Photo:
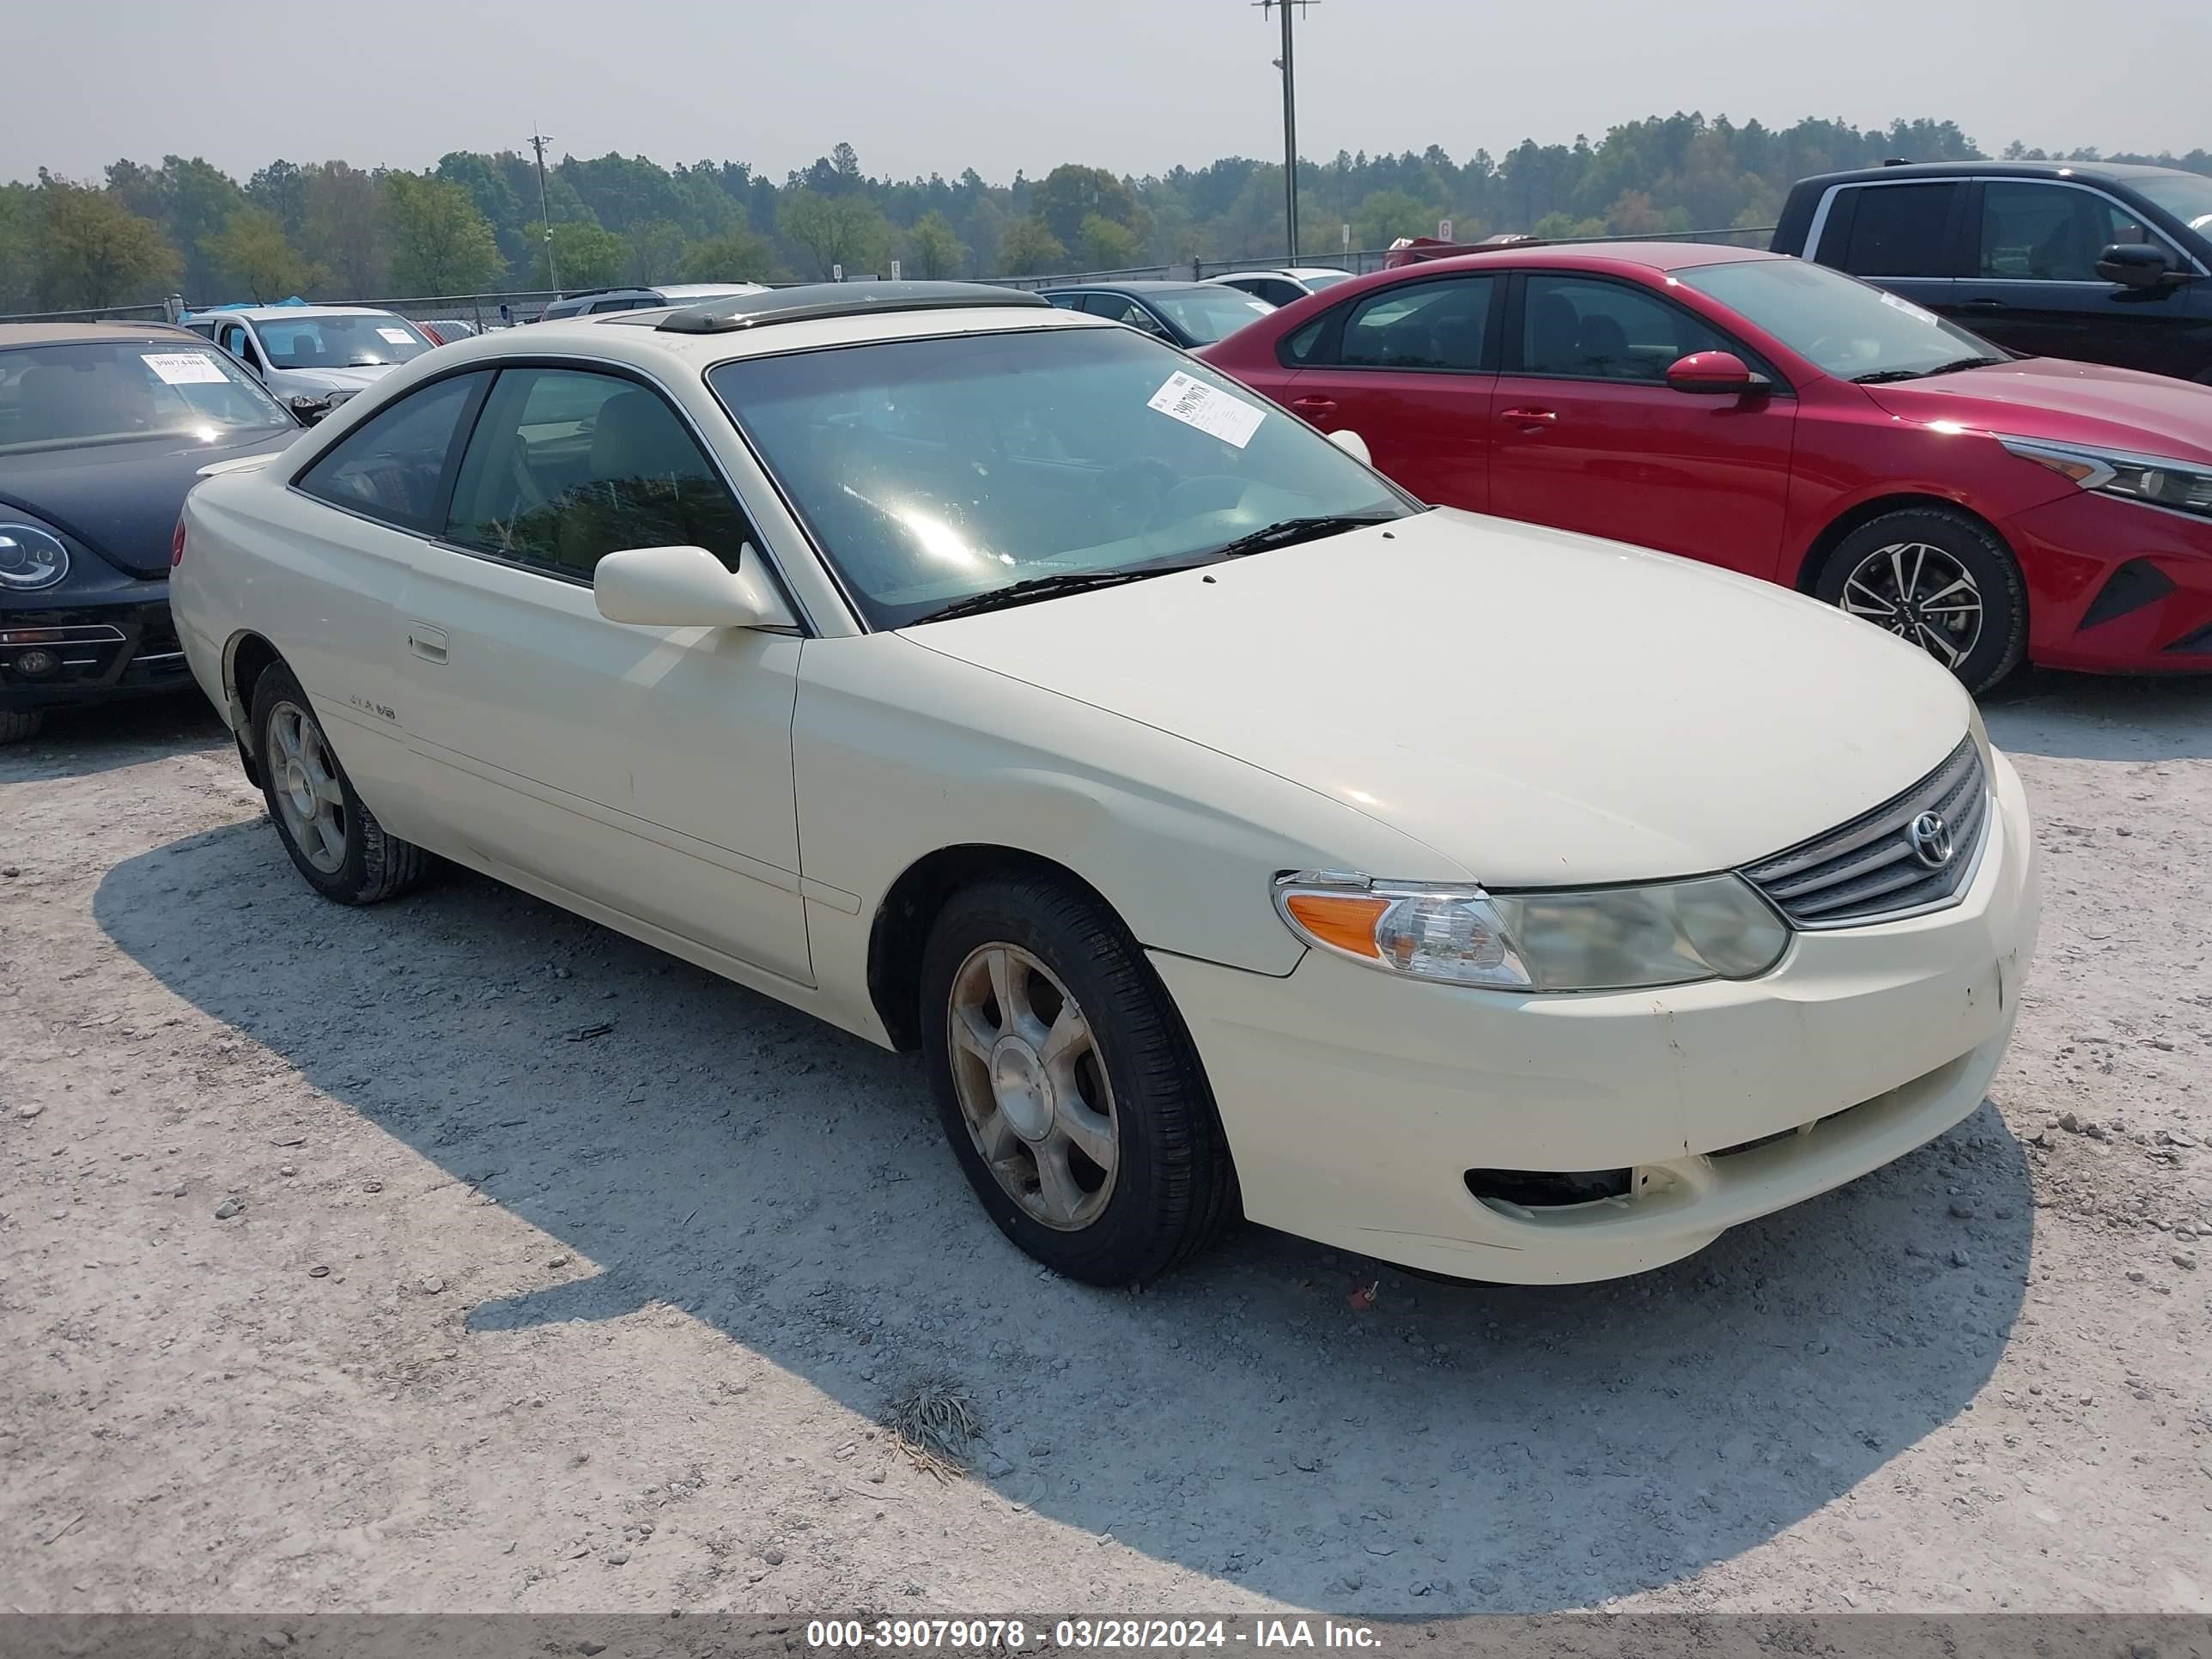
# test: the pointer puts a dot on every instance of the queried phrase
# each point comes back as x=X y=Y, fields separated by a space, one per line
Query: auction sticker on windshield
x=396 y=336
x=184 y=367
x=1211 y=410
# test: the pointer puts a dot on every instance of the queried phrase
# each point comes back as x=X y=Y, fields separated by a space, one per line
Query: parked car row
x=994 y=680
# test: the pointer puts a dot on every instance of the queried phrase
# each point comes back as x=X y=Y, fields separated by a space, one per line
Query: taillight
x=177 y=545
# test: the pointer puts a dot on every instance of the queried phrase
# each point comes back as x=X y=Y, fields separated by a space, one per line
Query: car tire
x=333 y=838
x=19 y=725
x=1903 y=573
x=1083 y=1122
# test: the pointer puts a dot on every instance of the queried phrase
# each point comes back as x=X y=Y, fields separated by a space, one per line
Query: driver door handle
x=1531 y=420
x=1311 y=407
x=1987 y=305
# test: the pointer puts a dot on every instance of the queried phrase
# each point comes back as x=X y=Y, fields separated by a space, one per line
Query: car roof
x=279 y=314
x=1141 y=287
x=1590 y=256
x=2116 y=172
x=31 y=334
x=636 y=337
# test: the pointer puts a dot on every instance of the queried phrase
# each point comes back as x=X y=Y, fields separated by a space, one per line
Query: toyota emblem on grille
x=1930 y=836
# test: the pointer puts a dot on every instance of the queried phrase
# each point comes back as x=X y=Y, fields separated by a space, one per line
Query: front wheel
x=1939 y=580
x=1068 y=1085
x=19 y=725
x=335 y=840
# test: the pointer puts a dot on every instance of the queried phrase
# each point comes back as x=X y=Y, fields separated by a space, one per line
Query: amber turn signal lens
x=1340 y=920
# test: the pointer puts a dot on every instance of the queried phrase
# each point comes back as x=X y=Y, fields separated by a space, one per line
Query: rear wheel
x=1068 y=1085
x=335 y=840
x=1939 y=580
x=19 y=725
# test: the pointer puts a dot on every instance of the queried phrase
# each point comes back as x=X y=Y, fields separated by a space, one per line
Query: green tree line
x=474 y=223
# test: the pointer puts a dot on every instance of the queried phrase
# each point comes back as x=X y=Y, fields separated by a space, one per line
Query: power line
x=537 y=142
x=1287 y=64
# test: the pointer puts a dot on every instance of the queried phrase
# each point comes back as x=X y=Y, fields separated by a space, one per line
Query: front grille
x=1870 y=868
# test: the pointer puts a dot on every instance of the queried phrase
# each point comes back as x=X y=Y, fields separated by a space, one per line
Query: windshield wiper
x=1968 y=362
x=1285 y=531
x=1046 y=587
x=1882 y=375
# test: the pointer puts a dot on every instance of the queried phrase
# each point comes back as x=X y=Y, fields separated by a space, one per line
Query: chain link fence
x=501 y=310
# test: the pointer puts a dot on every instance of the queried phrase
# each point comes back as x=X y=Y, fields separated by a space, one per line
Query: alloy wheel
x=1032 y=1087
x=1920 y=593
x=305 y=784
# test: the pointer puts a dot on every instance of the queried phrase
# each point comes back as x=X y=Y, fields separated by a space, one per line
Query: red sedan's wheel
x=1939 y=580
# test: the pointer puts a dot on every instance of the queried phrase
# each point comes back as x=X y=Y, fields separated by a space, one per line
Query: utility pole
x=1287 y=64
x=537 y=142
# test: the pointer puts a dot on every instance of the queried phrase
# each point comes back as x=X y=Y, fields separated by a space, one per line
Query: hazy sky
x=1133 y=85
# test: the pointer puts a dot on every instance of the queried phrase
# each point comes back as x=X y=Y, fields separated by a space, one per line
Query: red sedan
x=1785 y=421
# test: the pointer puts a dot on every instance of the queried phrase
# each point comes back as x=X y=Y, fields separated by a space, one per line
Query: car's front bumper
x=1356 y=1103
x=119 y=642
x=2116 y=587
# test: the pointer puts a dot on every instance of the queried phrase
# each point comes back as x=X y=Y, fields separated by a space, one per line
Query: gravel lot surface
x=460 y=1255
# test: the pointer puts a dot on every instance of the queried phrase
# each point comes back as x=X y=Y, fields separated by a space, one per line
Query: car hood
x=335 y=379
x=1539 y=707
x=122 y=499
x=2064 y=402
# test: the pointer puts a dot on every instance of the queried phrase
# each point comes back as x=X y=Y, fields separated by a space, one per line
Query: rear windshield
x=59 y=397
x=1207 y=314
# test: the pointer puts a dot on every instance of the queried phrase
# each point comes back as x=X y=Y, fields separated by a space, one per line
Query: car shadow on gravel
x=2098 y=717
x=1447 y=1448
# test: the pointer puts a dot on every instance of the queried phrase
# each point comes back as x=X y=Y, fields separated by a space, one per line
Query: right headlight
x=31 y=557
x=2184 y=486
x=1599 y=938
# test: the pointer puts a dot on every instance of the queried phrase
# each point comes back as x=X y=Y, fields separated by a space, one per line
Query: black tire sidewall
x=1132 y=1018
x=2003 y=642
x=352 y=880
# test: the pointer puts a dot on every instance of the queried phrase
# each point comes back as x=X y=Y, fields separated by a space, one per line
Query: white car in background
x=1228 y=831
x=313 y=358
x=1283 y=287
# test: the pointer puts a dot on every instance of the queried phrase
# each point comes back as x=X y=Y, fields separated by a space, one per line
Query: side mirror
x=1352 y=445
x=309 y=408
x=687 y=587
x=1714 y=374
x=2138 y=264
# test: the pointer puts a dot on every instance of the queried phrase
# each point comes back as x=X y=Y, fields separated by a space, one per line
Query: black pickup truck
x=2104 y=263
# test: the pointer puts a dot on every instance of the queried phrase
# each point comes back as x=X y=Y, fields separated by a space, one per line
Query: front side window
x=1599 y=330
x=59 y=397
x=566 y=466
x=1841 y=326
x=391 y=465
x=1897 y=230
x=2041 y=233
x=354 y=341
x=1443 y=324
x=935 y=472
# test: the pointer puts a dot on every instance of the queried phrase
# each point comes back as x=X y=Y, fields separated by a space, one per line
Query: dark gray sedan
x=1187 y=315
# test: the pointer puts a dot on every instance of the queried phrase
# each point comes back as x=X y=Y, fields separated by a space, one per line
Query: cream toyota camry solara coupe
x=1229 y=833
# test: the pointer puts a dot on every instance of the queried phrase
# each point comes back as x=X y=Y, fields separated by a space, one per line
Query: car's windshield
x=2186 y=196
x=1837 y=322
x=339 y=341
x=1209 y=313
x=931 y=471
x=56 y=397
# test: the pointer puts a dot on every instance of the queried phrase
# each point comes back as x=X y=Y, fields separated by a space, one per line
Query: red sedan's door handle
x=1314 y=407
x=1531 y=420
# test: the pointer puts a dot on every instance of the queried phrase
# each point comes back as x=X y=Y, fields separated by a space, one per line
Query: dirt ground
x=346 y=1268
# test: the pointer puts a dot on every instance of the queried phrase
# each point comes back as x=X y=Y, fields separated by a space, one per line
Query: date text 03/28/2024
x=1013 y=1635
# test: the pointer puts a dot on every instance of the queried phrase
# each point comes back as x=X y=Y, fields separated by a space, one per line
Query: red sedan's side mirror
x=1714 y=374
